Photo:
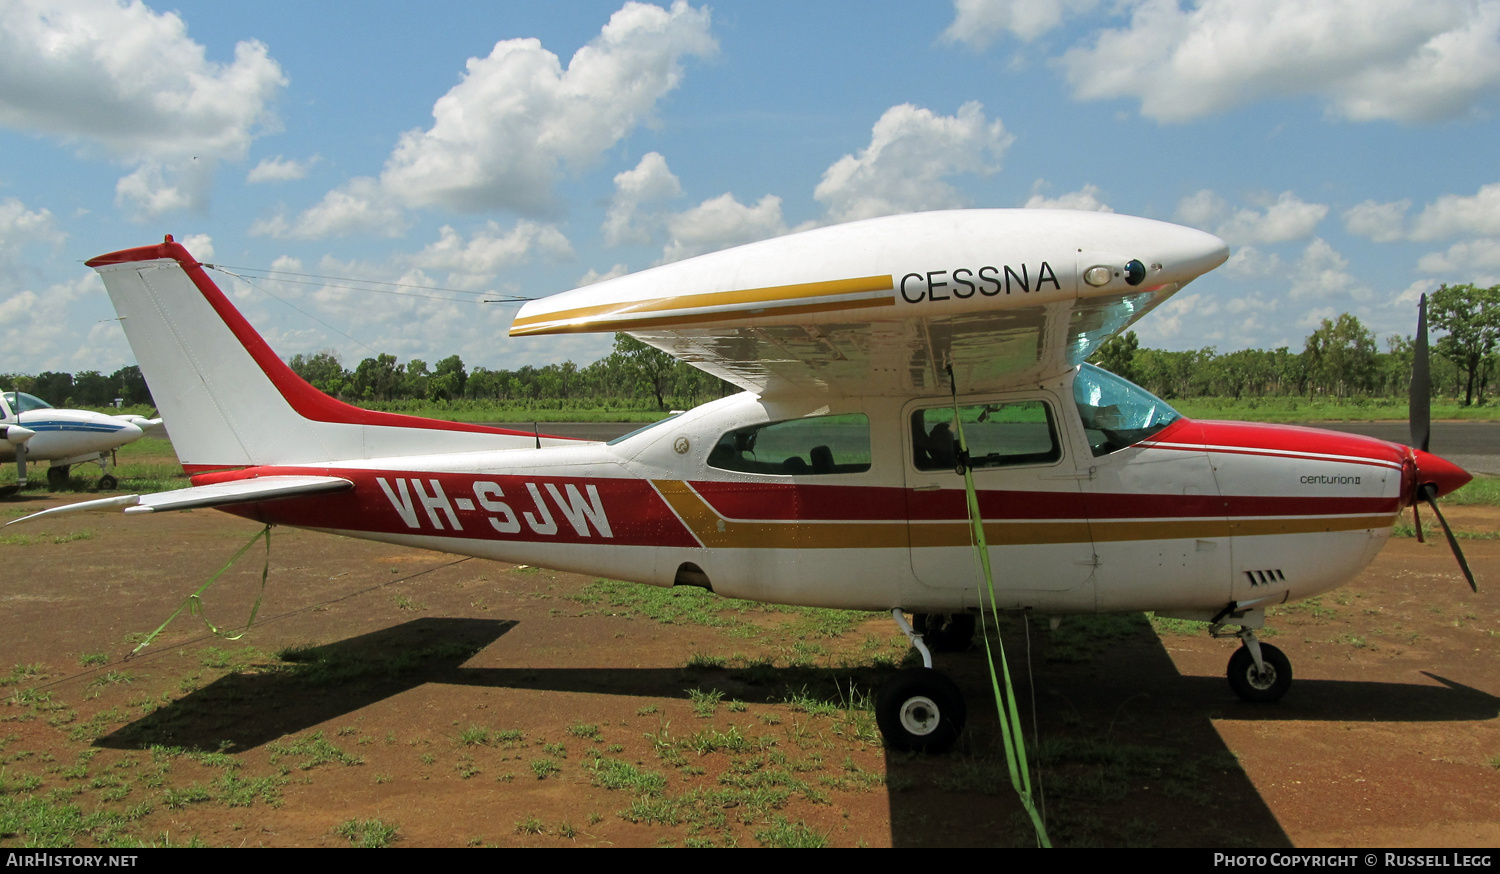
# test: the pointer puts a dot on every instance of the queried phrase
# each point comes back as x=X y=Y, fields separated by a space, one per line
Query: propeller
x=1431 y=476
x=17 y=436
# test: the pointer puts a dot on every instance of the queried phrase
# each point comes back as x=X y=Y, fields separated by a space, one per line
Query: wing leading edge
x=882 y=306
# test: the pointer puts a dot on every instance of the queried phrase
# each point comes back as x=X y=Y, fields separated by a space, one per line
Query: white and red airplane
x=831 y=480
x=34 y=430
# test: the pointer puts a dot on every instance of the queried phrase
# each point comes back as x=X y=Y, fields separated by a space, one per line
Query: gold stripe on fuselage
x=713 y=530
x=776 y=300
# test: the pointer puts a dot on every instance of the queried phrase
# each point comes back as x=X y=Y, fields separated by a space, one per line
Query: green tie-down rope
x=194 y=602
x=1005 y=704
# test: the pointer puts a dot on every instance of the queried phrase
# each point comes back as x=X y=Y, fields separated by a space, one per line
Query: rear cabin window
x=816 y=446
x=998 y=435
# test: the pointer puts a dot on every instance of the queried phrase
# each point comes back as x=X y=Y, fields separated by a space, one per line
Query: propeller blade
x=1419 y=408
x=1428 y=495
x=21 y=453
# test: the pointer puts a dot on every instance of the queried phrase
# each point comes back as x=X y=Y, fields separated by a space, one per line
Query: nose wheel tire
x=920 y=710
x=1260 y=686
x=108 y=483
x=57 y=476
x=945 y=632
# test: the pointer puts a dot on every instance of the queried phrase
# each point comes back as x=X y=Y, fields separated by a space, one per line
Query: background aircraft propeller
x=1420 y=414
x=17 y=436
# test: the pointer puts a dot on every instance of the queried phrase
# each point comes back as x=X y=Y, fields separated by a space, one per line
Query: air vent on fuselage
x=1265 y=578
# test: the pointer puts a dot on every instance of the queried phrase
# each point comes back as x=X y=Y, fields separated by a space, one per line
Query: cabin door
x=1029 y=495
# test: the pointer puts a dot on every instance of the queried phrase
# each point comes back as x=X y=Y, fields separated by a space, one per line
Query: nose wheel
x=1264 y=683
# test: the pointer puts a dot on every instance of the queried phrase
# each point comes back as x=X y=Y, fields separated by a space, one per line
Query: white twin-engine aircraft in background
x=34 y=430
x=831 y=480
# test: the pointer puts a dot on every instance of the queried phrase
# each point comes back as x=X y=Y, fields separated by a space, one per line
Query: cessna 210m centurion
x=831 y=480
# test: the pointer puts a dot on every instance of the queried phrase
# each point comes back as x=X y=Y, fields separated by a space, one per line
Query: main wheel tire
x=1265 y=686
x=920 y=710
x=57 y=476
x=108 y=483
x=945 y=632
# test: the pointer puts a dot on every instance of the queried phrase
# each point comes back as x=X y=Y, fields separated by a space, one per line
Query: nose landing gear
x=1258 y=672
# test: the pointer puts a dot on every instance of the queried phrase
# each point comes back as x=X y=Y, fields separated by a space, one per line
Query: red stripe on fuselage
x=551 y=509
x=1312 y=442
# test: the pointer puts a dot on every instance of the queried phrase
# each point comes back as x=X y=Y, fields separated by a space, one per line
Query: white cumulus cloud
x=1455 y=215
x=979 y=22
x=1085 y=198
x=486 y=252
x=1288 y=218
x=720 y=223
x=359 y=206
x=648 y=182
x=129 y=82
x=500 y=137
x=279 y=169
x=1381 y=222
x=1366 y=59
x=912 y=152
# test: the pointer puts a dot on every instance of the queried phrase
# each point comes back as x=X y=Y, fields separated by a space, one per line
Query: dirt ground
x=393 y=696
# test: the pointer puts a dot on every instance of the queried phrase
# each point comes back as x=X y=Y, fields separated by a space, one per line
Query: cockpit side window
x=998 y=435
x=816 y=446
x=1117 y=413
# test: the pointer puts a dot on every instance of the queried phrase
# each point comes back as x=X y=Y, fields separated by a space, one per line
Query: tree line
x=1341 y=359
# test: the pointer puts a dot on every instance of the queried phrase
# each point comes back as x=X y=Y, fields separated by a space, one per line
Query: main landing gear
x=920 y=709
x=1258 y=672
x=59 y=470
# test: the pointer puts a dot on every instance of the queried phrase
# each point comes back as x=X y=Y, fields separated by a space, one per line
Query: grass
x=1481 y=491
x=367 y=833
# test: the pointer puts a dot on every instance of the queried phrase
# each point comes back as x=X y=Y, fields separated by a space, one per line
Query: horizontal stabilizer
x=244 y=491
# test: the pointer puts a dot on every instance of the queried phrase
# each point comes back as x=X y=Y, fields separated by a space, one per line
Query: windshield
x=28 y=402
x=1117 y=413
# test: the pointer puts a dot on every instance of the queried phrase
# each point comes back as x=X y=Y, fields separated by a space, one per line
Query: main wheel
x=57 y=476
x=945 y=632
x=1267 y=685
x=920 y=710
x=108 y=483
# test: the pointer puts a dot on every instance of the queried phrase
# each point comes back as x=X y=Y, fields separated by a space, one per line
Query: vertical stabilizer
x=228 y=400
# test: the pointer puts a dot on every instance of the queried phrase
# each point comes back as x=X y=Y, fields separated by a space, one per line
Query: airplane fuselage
x=1196 y=516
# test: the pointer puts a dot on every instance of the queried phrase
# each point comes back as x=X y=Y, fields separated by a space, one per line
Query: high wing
x=882 y=306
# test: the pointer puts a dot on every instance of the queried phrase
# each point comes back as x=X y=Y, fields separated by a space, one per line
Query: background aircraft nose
x=1443 y=474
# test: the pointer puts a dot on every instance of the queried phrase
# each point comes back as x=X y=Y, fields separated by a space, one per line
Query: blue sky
x=1344 y=149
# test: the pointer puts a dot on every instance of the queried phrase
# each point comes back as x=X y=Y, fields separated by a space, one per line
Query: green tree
x=1471 y=316
x=131 y=385
x=448 y=378
x=1117 y=355
x=377 y=378
x=1341 y=356
x=650 y=367
x=322 y=371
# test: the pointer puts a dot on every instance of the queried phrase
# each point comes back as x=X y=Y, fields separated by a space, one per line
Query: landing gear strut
x=920 y=709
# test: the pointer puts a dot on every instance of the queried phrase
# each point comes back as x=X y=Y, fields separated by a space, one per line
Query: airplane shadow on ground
x=1129 y=753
